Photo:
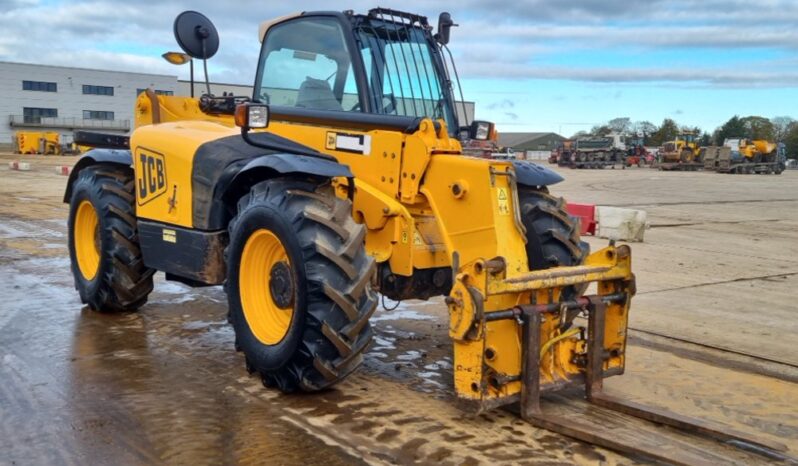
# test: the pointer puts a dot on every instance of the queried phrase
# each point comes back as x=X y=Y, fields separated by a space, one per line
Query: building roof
x=4 y=62
x=202 y=81
x=516 y=139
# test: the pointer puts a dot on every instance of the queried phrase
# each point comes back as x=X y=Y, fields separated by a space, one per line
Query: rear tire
x=329 y=296
x=113 y=278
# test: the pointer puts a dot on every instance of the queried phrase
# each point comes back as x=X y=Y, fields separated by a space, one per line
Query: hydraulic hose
x=547 y=346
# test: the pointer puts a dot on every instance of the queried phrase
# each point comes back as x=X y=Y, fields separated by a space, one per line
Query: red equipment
x=587 y=216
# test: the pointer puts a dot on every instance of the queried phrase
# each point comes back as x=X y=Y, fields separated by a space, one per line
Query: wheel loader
x=341 y=178
x=683 y=153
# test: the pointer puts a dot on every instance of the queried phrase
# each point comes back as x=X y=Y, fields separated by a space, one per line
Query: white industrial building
x=65 y=99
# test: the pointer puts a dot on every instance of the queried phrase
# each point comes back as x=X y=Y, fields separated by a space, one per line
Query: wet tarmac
x=165 y=386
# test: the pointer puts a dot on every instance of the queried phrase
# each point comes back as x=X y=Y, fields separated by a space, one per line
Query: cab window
x=306 y=63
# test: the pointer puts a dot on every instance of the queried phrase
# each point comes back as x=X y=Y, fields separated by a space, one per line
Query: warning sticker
x=170 y=236
x=404 y=237
x=417 y=241
x=503 y=201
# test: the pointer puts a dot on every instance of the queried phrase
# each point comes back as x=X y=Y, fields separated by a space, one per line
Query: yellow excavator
x=341 y=177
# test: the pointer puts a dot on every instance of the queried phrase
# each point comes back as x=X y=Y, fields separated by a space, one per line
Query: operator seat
x=316 y=94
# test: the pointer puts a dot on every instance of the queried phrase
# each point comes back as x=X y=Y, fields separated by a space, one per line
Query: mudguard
x=532 y=174
x=293 y=163
x=93 y=156
x=211 y=212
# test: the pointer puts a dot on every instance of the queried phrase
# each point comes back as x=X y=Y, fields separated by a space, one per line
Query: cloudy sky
x=556 y=65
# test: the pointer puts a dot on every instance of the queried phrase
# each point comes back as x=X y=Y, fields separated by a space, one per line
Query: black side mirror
x=445 y=24
x=196 y=35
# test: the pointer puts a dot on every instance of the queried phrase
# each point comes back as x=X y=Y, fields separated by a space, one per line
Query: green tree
x=600 y=130
x=782 y=125
x=644 y=129
x=620 y=125
x=667 y=131
x=734 y=128
x=757 y=127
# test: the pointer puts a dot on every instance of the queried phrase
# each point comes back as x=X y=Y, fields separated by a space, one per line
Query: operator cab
x=386 y=63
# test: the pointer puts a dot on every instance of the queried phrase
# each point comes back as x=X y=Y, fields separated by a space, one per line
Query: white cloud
x=498 y=39
x=722 y=78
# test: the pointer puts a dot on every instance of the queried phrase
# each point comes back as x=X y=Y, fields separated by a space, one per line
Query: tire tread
x=338 y=273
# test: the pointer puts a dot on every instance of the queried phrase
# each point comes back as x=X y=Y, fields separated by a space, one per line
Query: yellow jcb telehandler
x=342 y=177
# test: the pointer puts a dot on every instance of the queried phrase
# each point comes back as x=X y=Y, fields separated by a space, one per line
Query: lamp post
x=179 y=58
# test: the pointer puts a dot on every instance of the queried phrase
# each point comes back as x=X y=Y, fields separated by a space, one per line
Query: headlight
x=481 y=130
x=252 y=115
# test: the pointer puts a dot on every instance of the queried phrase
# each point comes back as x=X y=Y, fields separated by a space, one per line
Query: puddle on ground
x=165 y=385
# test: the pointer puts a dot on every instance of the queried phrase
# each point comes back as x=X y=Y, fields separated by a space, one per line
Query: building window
x=97 y=115
x=157 y=91
x=39 y=86
x=98 y=90
x=35 y=115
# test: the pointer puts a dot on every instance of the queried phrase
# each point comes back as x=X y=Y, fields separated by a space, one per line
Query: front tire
x=107 y=264
x=299 y=285
x=553 y=237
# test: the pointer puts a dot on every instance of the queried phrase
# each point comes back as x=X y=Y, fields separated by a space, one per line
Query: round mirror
x=191 y=29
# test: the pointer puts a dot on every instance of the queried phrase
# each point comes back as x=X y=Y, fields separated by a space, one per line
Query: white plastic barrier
x=17 y=165
x=621 y=224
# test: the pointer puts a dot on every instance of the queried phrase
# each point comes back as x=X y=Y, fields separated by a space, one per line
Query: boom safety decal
x=503 y=201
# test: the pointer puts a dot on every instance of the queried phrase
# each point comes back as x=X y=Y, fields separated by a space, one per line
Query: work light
x=481 y=130
x=252 y=115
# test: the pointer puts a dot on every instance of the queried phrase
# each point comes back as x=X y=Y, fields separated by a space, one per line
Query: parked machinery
x=639 y=156
x=596 y=152
x=306 y=209
x=741 y=155
x=562 y=151
x=711 y=156
x=38 y=142
x=683 y=153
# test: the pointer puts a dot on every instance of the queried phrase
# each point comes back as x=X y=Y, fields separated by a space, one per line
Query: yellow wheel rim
x=266 y=287
x=87 y=240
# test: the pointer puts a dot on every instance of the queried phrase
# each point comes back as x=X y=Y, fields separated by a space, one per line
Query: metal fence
x=69 y=123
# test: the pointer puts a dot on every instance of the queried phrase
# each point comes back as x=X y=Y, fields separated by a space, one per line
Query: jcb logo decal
x=150 y=176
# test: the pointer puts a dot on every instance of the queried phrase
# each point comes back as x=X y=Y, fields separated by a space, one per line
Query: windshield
x=306 y=63
x=733 y=143
x=403 y=75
